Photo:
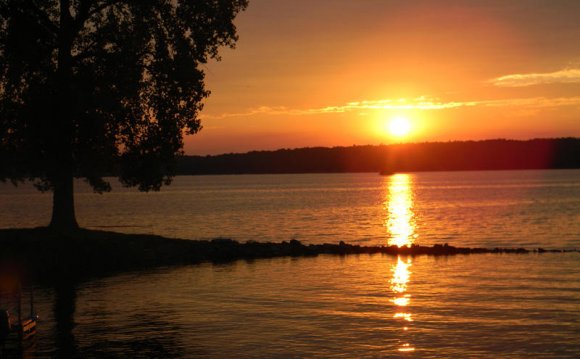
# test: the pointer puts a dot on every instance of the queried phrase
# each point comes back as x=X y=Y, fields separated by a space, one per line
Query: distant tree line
x=497 y=154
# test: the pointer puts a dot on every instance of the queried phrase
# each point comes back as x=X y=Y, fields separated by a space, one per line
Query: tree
x=95 y=87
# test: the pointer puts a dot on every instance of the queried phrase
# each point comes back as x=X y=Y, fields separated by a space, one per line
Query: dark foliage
x=434 y=156
x=89 y=87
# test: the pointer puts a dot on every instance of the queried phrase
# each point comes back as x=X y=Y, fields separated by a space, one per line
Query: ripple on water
x=461 y=306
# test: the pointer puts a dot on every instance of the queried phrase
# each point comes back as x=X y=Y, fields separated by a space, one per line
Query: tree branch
x=85 y=11
x=41 y=16
x=103 y=6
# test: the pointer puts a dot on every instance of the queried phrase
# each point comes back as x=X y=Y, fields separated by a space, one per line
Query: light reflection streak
x=401 y=299
x=401 y=226
x=399 y=283
x=400 y=219
x=406 y=348
x=404 y=316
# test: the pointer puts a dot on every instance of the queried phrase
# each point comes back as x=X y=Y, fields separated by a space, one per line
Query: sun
x=399 y=126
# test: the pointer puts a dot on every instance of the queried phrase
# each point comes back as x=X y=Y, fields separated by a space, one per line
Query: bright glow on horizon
x=280 y=89
x=399 y=126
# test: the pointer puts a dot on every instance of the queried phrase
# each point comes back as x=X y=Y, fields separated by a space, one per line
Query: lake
x=495 y=208
x=510 y=306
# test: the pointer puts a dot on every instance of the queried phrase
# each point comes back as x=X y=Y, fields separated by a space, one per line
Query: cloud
x=522 y=80
x=533 y=102
x=419 y=103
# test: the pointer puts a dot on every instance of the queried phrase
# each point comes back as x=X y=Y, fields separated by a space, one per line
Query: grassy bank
x=45 y=256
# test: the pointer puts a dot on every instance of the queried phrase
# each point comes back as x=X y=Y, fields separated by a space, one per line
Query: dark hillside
x=430 y=156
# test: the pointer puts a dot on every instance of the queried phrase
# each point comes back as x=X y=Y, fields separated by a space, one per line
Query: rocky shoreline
x=50 y=257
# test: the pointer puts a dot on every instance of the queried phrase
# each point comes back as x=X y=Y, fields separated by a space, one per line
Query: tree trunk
x=63 y=206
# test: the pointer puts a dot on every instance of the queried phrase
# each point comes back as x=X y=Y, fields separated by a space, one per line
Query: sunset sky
x=335 y=72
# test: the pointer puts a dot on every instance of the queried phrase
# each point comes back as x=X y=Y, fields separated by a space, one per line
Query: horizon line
x=380 y=145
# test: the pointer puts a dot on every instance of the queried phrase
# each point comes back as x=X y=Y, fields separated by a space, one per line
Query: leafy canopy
x=118 y=81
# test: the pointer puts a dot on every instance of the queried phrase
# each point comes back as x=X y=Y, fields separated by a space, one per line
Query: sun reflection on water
x=399 y=282
x=401 y=226
x=401 y=299
x=399 y=204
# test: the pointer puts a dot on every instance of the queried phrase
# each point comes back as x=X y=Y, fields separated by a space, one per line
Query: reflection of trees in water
x=141 y=335
x=153 y=337
x=64 y=311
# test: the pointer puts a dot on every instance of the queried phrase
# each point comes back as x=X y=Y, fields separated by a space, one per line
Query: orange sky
x=332 y=72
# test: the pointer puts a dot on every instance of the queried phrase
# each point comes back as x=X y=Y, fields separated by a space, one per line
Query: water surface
x=494 y=208
x=465 y=306
x=476 y=306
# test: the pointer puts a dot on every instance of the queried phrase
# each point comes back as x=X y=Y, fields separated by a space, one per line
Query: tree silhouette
x=94 y=87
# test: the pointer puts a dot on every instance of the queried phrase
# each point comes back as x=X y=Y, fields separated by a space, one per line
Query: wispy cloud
x=419 y=103
x=522 y=80
x=533 y=102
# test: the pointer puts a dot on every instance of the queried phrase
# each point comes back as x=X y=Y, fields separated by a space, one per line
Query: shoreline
x=43 y=256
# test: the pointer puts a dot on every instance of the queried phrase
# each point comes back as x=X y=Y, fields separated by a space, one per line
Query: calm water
x=506 y=306
x=509 y=306
x=504 y=208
